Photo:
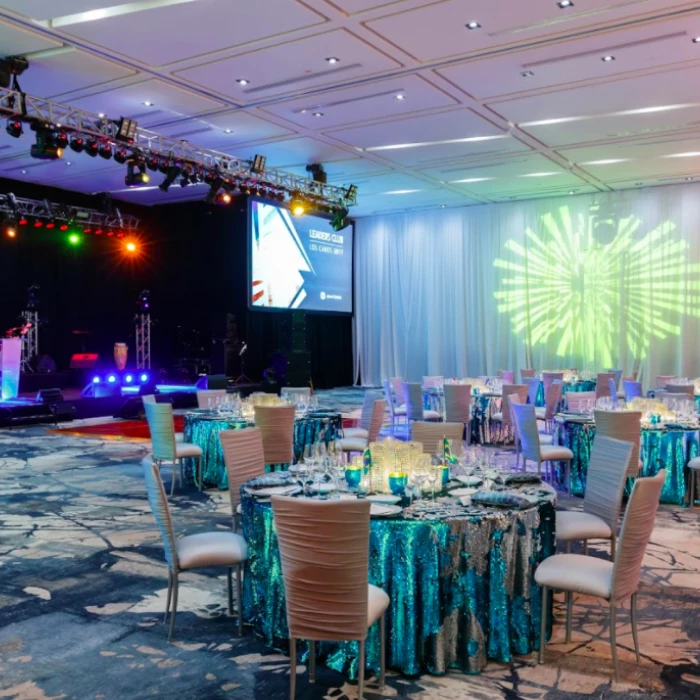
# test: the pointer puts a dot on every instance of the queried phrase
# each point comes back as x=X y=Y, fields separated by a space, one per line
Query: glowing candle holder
x=353 y=476
x=397 y=483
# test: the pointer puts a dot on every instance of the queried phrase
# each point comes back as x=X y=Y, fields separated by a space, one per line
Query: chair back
x=637 y=527
x=148 y=398
x=377 y=419
x=508 y=376
x=617 y=376
x=244 y=459
x=204 y=395
x=161 y=512
x=413 y=393
x=548 y=378
x=162 y=427
x=663 y=379
x=431 y=382
x=605 y=483
x=399 y=396
x=300 y=390
x=553 y=399
x=276 y=425
x=527 y=374
x=533 y=388
x=688 y=390
x=428 y=433
x=574 y=399
x=367 y=405
x=602 y=384
x=613 y=391
x=632 y=389
x=458 y=403
x=515 y=399
x=389 y=398
x=324 y=551
x=508 y=390
x=621 y=425
x=526 y=422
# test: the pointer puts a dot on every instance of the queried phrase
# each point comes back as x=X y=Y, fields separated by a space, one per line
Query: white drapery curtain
x=589 y=282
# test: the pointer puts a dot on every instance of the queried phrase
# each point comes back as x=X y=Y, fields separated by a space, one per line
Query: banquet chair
x=202 y=550
x=360 y=444
x=362 y=430
x=687 y=390
x=244 y=459
x=324 y=551
x=504 y=416
x=276 y=425
x=545 y=439
x=605 y=484
x=527 y=374
x=552 y=401
x=533 y=450
x=612 y=581
x=663 y=379
x=151 y=398
x=617 y=376
x=414 y=404
x=458 y=406
x=632 y=389
x=508 y=376
x=602 y=384
x=399 y=395
x=575 y=399
x=548 y=378
x=622 y=425
x=291 y=390
x=165 y=445
x=432 y=382
x=613 y=391
x=694 y=469
x=204 y=395
x=428 y=434
x=394 y=410
x=533 y=388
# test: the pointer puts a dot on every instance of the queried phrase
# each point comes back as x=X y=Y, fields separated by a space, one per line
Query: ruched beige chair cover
x=428 y=434
x=360 y=444
x=397 y=386
x=622 y=425
x=687 y=390
x=575 y=400
x=548 y=378
x=527 y=374
x=458 y=403
x=324 y=550
x=362 y=430
x=395 y=411
x=276 y=425
x=663 y=379
x=602 y=384
x=413 y=392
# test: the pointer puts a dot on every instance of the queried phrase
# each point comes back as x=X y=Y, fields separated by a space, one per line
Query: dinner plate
x=379 y=510
x=273 y=491
x=386 y=498
x=464 y=491
x=469 y=480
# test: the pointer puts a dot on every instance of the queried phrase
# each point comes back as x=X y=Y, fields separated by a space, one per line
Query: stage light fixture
x=143 y=377
x=351 y=193
x=215 y=183
x=14 y=128
x=171 y=175
x=126 y=129
x=61 y=139
x=9 y=228
x=74 y=239
x=92 y=148
x=131 y=247
x=95 y=380
x=258 y=163
x=23 y=221
x=111 y=378
x=153 y=164
x=38 y=223
x=297 y=205
x=136 y=174
x=144 y=301
x=106 y=151
x=77 y=145
x=63 y=227
x=45 y=147
x=224 y=198
x=120 y=156
x=128 y=379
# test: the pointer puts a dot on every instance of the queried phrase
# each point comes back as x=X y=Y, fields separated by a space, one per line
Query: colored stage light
x=74 y=239
x=297 y=205
x=23 y=222
x=136 y=174
x=143 y=377
x=128 y=378
x=63 y=227
x=120 y=156
x=50 y=225
x=130 y=247
x=38 y=224
x=77 y=145
x=92 y=148
x=171 y=175
x=106 y=151
x=111 y=378
x=10 y=228
x=14 y=128
x=61 y=140
x=45 y=147
x=95 y=380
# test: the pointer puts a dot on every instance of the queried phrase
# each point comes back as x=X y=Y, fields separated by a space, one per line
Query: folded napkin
x=265 y=482
x=501 y=499
x=514 y=479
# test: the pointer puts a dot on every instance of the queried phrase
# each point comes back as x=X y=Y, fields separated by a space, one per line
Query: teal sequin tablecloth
x=663 y=448
x=203 y=428
x=461 y=585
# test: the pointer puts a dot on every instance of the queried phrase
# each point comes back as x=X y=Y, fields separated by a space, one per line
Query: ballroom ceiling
x=415 y=107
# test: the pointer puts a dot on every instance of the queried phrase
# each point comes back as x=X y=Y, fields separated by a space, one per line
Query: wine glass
x=434 y=472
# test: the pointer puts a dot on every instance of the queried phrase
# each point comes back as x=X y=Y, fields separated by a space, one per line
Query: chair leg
x=361 y=671
x=292 y=668
x=543 y=624
x=569 y=608
x=585 y=547
x=633 y=615
x=382 y=652
x=312 y=661
x=229 y=578
x=170 y=594
x=172 y=485
x=613 y=638
x=239 y=599
x=568 y=546
x=173 y=612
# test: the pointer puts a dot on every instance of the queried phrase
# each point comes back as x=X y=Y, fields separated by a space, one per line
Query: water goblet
x=434 y=473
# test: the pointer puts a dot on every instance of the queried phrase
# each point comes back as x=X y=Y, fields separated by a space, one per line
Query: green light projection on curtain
x=586 y=282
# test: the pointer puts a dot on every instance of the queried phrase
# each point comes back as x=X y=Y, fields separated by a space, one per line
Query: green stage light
x=74 y=239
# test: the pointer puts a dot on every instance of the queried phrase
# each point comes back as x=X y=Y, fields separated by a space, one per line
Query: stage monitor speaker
x=104 y=390
x=217 y=381
x=85 y=360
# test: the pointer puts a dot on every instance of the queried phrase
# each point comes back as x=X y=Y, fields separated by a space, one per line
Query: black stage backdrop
x=194 y=262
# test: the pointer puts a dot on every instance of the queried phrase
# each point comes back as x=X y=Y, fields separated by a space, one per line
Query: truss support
x=143 y=341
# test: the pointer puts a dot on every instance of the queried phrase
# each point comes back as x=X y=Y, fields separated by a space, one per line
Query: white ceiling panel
x=16 y=41
x=393 y=185
x=179 y=32
x=384 y=99
x=352 y=7
x=298 y=65
x=344 y=172
x=48 y=9
x=425 y=199
x=519 y=22
x=290 y=152
x=168 y=102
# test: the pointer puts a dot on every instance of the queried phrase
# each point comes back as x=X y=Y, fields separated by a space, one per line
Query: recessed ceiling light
x=473 y=179
x=638 y=184
x=332 y=60
x=687 y=154
x=442 y=206
x=572 y=191
x=228 y=131
x=101 y=115
x=148 y=104
x=401 y=192
x=696 y=40
x=400 y=96
x=527 y=74
x=565 y=3
x=689 y=179
x=539 y=174
x=68 y=163
x=23 y=172
x=606 y=161
x=469 y=139
x=607 y=59
x=242 y=81
x=318 y=114
x=473 y=25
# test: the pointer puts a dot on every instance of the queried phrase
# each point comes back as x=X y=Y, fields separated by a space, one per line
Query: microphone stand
x=242 y=379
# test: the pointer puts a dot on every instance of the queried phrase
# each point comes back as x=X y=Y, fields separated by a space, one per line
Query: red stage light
x=98 y=232
x=87 y=230
x=50 y=224
x=131 y=247
x=23 y=222
x=120 y=235
x=110 y=233
x=38 y=224
x=63 y=227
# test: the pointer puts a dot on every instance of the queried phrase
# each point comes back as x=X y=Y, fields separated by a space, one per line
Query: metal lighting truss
x=43 y=209
x=30 y=341
x=28 y=108
x=143 y=341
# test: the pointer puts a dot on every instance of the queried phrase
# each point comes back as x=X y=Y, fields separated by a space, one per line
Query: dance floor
x=83 y=584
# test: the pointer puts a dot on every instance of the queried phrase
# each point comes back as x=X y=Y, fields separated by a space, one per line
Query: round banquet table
x=461 y=585
x=202 y=428
x=669 y=448
x=580 y=385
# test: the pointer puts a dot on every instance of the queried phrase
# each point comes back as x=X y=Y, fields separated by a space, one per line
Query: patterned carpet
x=83 y=583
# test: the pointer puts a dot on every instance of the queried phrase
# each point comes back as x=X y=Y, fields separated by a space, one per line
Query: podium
x=10 y=362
